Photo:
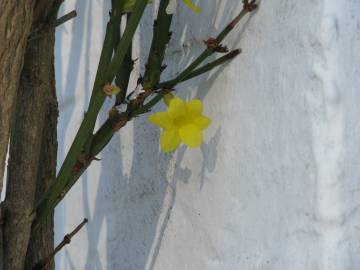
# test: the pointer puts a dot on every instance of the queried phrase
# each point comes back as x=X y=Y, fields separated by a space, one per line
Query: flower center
x=181 y=121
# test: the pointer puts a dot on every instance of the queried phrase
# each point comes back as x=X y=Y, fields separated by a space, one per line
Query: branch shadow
x=137 y=191
x=68 y=82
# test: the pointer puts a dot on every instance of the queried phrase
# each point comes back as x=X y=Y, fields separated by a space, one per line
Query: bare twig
x=44 y=264
x=46 y=27
x=65 y=18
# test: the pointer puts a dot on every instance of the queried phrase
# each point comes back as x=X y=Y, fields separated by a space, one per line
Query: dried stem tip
x=213 y=44
x=110 y=90
x=44 y=264
x=250 y=6
x=233 y=53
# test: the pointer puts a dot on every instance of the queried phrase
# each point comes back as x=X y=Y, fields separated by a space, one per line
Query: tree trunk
x=15 y=22
x=41 y=240
x=32 y=153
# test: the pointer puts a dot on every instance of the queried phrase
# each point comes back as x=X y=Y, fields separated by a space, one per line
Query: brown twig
x=65 y=18
x=44 y=264
x=45 y=28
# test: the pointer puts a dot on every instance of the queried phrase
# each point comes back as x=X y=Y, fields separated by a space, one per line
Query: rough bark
x=32 y=156
x=15 y=22
x=41 y=242
x=1 y=238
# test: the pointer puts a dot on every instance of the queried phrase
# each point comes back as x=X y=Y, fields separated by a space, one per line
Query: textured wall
x=275 y=186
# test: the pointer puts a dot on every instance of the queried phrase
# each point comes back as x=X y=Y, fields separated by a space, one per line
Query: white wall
x=276 y=185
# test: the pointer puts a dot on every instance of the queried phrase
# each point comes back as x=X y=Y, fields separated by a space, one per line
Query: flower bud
x=110 y=90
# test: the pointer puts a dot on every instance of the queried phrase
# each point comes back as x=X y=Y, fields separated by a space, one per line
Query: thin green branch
x=161 y=38
x=77 y=161
x=218 y=62
x=126 y=39
x=100 y=140
x=106 y=73
x=197 y=72
x=123 y=75
x=105 y=133
x=188 y=72
x=209 y=50
x=107 y=130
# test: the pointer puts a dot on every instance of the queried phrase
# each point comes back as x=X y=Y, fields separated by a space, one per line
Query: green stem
x=218 y=62
x=100 y=140
x=105 y=74
x=126 y=39
x=123 y=74
x=105 y=133
x=161 y=38
x=188 y=72
x=197 y=72
x=207 y=52
x=81 y=137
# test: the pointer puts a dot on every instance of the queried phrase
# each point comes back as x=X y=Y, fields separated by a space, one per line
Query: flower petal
x=202 y=122
x=192 y=6
x=169 y=140
x=194 y=107
x=177 y=108
x=191 y=135
x=161 y=119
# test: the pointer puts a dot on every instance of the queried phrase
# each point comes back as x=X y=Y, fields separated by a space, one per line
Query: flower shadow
x=137 y=184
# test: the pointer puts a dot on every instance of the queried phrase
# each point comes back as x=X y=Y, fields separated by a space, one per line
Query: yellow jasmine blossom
x=173 y=3
x=182 y=122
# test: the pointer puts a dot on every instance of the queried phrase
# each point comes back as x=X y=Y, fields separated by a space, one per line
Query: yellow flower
x=173 y=3
x=182 y=122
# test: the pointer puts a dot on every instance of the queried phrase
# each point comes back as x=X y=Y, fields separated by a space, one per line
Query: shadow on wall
x=135 y=203
x=67 y=109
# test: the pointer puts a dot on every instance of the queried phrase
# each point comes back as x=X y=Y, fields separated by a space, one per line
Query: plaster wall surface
x=277 y=183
